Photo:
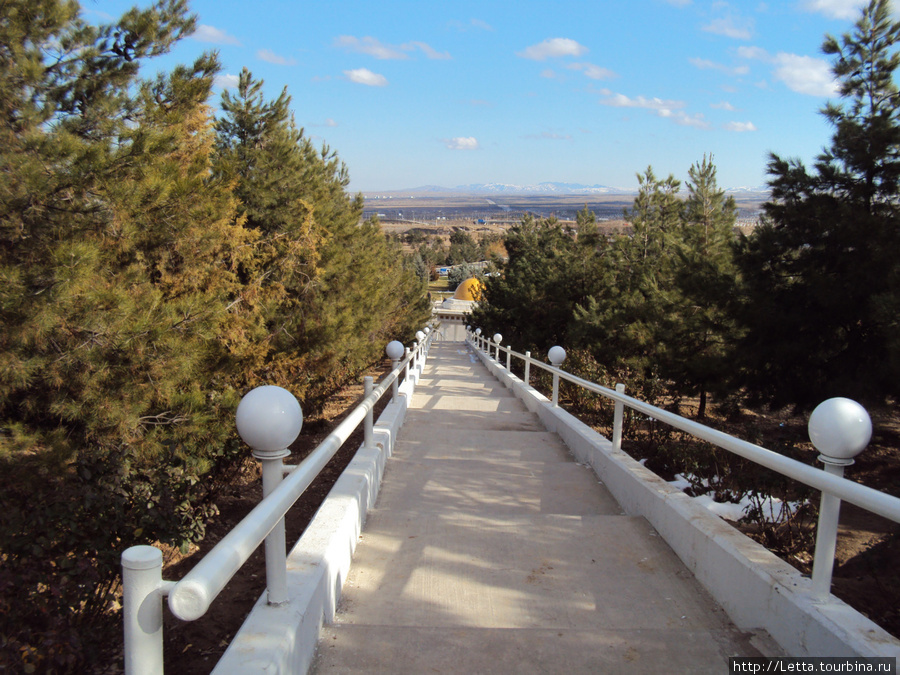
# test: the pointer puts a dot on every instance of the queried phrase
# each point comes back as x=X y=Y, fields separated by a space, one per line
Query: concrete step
x=413 y=650
x=549 y=593
x=491 y=551
x=483 y=420
x=491 y=489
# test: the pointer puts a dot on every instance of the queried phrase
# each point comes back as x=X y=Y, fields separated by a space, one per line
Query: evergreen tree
x=463 y=248
x=322 y=285
x=821 y=277
x=705 y=277
x=548 y=273
x=118 y=254
x=628 y=323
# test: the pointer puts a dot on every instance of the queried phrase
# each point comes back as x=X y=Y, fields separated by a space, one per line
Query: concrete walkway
x=491 y=551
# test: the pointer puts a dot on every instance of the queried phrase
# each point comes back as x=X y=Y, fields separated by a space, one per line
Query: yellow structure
x=469 y=290
x=452 y=312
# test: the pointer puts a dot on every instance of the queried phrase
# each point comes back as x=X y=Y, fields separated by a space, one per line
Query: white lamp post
x=269 y=419
x=839 y=429
x=497 y=339
x=556 y=355
x=394 y=351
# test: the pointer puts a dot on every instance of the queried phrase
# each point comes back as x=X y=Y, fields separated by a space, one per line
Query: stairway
x=491 y=551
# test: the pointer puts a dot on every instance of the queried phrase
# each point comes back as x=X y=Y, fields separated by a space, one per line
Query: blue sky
x=426 y=93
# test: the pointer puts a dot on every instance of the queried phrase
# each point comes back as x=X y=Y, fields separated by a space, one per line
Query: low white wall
x=756 y=588
x=283 y=639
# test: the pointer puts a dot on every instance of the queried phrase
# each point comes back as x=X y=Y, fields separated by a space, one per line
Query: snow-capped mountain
x=538 y=189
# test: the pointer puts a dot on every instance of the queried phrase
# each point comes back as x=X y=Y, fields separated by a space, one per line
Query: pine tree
x=821 y=276
x=322 y=291
x=705 y=277
x=531 y=301
x=118 y=253
x=627 y=324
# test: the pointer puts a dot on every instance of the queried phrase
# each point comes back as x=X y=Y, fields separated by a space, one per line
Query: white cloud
x=206 y=33
x=739 y=29
x=723 y=105
x=704 y=64
x=679 y=3
x=367 y=77
x=805 y=74
x=473 y=23
x=592 y=71
x=329 y=122
x=550 y=74
x=697 y=121
x=835 y=9
x=622 y=101
x=271 y=57
x=553 y=48
x=369 y=46
x=756 y=53
x=374 y=47
x=226 y=81
x=549 y=136
x=462 y=143
x=740 y=126
x=427 y=50
x=666 y=108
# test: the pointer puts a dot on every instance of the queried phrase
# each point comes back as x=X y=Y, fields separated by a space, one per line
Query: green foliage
x=705 y=330
x=322 y=293
x=650 y=308
x=821 y=276
x=628 y=323
x=549 y=271
x=155 y=266
x=460 y=273
x=463 y=249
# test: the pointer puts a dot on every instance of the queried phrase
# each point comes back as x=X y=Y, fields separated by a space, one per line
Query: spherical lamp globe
x=394 y=350
x=556 y=355
x=269 y=419
x=840 y=428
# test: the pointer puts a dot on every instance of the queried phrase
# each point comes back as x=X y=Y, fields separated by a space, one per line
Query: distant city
x=507 y=203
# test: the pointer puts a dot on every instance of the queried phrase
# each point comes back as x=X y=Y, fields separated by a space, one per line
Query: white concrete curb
x=756 y=588
x=283 y=639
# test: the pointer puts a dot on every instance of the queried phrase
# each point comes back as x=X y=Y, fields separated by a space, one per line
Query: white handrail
x=865 y=497
x=190 y=598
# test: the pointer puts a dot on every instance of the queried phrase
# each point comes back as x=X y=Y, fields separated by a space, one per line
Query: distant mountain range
x=535 y=189
x=538 y=189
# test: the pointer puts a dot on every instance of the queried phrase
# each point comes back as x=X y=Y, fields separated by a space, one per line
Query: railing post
x=840 y=429
x=420 y=350
x=618 y=418
x=276 y=543
x=508 y=355
x=556 y=355
x=142 y=611
x=527 y=366
x=394 y=351
x=269 y=419
x=406 y=368
x=369 y=429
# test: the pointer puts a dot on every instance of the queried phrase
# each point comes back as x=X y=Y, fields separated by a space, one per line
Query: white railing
x=269 y=420
x=839 y=429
